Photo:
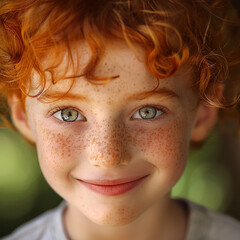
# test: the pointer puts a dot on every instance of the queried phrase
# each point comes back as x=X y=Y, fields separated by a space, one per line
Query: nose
x=108 y=148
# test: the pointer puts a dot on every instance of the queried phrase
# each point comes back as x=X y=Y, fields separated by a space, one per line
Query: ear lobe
x=205 y=120
x=19 y=117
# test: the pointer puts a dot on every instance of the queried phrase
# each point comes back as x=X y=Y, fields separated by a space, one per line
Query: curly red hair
x=199 y=33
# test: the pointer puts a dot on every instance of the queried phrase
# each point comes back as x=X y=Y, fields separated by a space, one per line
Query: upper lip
x=109 y=182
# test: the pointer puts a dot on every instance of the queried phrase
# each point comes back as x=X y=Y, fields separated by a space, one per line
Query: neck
x=156 y=222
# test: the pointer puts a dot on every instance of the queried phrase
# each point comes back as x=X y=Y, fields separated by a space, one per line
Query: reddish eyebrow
x=164 y=92
x=60 y=96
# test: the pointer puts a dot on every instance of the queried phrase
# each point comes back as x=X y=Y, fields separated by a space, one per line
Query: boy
x=112 y=93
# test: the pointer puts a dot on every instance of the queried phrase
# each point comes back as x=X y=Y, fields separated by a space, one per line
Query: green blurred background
x=211 y=178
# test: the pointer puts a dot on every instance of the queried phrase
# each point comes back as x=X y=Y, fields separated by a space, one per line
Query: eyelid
x=60 y=108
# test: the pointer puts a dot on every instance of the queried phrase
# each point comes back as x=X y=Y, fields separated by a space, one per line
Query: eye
x=147 y=112
x=68 y=115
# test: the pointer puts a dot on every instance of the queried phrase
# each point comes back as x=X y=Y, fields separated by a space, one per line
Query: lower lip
x=113 y=190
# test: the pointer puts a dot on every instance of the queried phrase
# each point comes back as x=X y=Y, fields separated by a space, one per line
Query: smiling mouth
x=112 y=187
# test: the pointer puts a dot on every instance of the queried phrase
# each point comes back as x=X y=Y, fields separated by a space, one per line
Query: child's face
x=115 y=141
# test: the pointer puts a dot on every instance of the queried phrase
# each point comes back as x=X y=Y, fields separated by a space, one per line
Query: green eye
x=68 y=115
x=147 y=112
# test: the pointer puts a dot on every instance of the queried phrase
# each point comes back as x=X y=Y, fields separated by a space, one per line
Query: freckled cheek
x=58 y=150
x=163 y=147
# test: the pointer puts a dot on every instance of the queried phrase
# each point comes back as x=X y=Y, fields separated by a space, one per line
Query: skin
x=114 y=142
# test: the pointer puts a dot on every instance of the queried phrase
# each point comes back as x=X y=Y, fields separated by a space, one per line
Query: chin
x=118 y=216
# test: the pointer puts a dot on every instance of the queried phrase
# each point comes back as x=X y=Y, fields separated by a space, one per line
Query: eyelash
x=57 y=109
x=158 y=108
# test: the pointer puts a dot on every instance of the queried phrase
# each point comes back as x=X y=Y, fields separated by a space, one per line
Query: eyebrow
x=60 y=96
x=162 y=92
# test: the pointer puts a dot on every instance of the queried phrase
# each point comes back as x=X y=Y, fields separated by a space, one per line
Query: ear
x=205 y=120
x=19 y=117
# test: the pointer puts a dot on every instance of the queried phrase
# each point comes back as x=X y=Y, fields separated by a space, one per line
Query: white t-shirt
x=204 y=224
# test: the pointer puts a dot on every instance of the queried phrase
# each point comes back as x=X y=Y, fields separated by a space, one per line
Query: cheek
x=57 y=150
x=165 y=147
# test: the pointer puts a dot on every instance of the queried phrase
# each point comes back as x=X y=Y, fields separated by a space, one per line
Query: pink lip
x=112 y=187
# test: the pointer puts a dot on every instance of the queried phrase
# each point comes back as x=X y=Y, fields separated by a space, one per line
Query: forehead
x=118 y=60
